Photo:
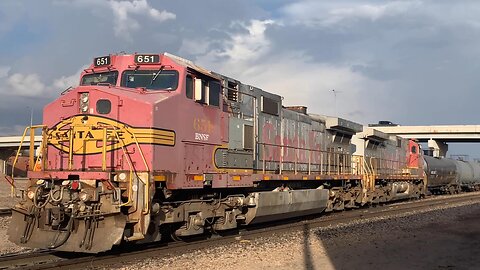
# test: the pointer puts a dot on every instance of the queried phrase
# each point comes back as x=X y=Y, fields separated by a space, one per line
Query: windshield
x=151 y=79
x=96 y=78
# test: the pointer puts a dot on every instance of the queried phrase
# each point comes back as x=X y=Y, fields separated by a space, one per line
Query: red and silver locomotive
x=152 y=145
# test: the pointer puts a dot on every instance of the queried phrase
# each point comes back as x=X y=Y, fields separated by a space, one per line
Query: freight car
x=446 y=175
x=152 y=146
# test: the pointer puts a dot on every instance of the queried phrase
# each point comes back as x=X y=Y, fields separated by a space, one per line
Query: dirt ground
x=447 y=237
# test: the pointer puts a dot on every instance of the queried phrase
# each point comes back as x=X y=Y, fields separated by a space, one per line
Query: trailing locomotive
x=152 y=145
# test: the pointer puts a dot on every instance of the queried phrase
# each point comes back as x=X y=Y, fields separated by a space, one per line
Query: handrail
x=31 y=150
x=330 y=167
x=130 y=187
x=147 y=183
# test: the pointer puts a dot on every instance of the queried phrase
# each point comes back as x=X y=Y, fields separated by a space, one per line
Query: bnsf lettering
x=201 y=137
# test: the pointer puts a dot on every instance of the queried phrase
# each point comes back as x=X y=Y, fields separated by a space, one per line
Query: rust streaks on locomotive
x=152 y=145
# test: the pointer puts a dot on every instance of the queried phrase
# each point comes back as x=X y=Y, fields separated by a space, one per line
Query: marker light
x=75 y=185
x=31 y=194
x=65 y=182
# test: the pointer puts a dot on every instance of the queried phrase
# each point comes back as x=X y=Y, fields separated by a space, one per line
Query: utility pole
x=31 y=116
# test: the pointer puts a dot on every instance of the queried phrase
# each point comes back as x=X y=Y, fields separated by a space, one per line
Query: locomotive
x=150 y=146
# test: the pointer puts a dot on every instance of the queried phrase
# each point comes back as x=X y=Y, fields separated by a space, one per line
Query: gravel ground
x=448 y=237
x=5 y=200
x=5 y=245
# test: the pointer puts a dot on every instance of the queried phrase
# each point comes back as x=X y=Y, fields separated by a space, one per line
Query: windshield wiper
x=156 y=75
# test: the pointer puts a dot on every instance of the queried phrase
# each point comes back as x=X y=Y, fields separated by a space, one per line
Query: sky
x=409 y=62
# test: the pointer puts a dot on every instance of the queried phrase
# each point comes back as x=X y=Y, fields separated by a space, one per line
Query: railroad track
x=61 y=260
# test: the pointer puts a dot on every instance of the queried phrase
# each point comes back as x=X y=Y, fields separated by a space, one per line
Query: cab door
x=413 y=154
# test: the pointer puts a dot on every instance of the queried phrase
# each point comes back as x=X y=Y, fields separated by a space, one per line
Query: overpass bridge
x=14 y=141
x=437 y=137
x=9 y=145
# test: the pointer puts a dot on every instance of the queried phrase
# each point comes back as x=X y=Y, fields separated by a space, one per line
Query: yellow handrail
x=31 y=150
x=146 y=196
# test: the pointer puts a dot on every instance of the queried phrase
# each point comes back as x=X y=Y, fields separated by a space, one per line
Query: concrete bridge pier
x=439 y=147
x=4 y=155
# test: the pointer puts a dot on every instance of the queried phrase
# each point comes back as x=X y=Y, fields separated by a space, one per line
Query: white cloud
x=248 y=57
x=66 y=81
x=253 y=44
x=125 y=24
x=313 y=13
x=28 y=85
x=240 y=48
x=31 y=85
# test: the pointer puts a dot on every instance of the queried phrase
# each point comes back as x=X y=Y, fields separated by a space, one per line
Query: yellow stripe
x=159 y=178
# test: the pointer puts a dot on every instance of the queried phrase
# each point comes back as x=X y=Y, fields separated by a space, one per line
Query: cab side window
x=189 y=87
x=204 y=90
x=214 y=95
x=414 y=150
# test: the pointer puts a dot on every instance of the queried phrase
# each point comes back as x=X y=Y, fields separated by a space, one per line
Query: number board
x=101 y=61
x=147 y=58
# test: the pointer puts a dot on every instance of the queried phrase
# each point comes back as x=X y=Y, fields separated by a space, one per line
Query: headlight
x=84 y=196
x=84 y=108
x=31 y=194
x=122 y=176
x=85 y=97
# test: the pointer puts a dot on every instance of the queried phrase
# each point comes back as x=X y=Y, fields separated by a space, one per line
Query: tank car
x=468 y=174
x=441 y=175
x=152 y=146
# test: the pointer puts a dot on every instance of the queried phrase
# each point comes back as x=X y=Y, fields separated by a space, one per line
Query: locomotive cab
x=100 y=142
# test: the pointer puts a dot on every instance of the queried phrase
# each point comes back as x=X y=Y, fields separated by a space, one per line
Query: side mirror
x=198 y=89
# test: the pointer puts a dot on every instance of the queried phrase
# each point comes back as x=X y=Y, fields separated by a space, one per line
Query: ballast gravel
x=443 y=237
x=5 y=245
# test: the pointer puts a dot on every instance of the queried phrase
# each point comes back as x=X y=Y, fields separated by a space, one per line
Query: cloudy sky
x=411 y=62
